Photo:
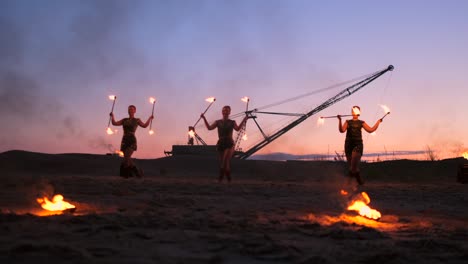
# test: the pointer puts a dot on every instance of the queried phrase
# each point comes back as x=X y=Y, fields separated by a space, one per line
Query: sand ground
x=194 y=219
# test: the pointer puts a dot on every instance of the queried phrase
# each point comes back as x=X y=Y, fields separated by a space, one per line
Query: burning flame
x=343 y=192
x=112 y=97
x=121 y=154
x=151 y=132
x=191 y=133
x=109 y=131
x=57 y=203
x=245 y=99
x=244 y=137
x=360 y=205
x=465 y=154
x=320 y=121
x=385 y=108
x=356 y=111
x=152 y=100
x=210 y=99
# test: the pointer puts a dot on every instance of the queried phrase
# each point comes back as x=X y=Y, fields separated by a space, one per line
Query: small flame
x=245 y=99
x=244 y=137
x=465 y=154
x=360 y=205
x=373 y=133
x=320 y=121
x=152 y=100
x=109 y=131
x=121 y=154
x=356 y=111
x=343 y=192
x=210 y=99
x=57 y=203
x=112 y=97
x=151 y=132
x=191 y=133
x=385 y=108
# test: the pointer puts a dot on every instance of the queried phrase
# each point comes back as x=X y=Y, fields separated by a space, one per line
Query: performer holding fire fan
x=353 y=143
x=129 y=141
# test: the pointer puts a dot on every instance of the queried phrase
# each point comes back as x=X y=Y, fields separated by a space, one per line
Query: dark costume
x=129 y=141
x=353 y=140
x=353 y=143
x=225 y=128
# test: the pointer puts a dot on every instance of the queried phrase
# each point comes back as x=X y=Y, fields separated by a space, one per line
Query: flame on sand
x=56 y=205
x=465 y=155
x=121 y=154
x=360 y=205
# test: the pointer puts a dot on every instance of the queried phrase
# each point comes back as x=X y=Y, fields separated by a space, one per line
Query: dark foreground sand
x=272 y=212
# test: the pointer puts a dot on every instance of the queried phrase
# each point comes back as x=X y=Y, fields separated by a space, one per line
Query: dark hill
x=18 y=162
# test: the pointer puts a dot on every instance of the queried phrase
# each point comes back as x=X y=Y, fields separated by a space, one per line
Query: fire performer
x=353 y=143
x=225 y=145
x=129 y=141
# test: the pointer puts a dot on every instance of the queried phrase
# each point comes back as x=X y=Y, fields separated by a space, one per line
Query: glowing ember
x=109 y=131
x=152 y=100
x=245 y=99
x=244 y=137
x=151 y=132
x=360 y=205
x=465 y=154
x=343 y=192
x=112 y=97
x=210 y=99
x=57 y=203
x=356 y=111
x=320 y=121
x=385 y=108
x=191 y=133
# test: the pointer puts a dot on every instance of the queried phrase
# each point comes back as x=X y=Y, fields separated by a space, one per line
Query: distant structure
x=204 y=149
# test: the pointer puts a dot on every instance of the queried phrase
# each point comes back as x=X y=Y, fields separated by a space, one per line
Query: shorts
x=128 y=142
x=353 y=146
x=224 y=144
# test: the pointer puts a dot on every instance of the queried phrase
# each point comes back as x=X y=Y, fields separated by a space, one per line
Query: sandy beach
x=272 y=212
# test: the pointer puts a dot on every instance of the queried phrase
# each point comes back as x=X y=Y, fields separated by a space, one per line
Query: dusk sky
x=60 y=60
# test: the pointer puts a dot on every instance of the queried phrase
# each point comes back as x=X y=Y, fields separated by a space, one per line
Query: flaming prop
x=210 y=100
x=356 y=111
x=465 y=155
x=360 y=205
x=191 y=132
x=56 y=205
x=153 y=101
x=246 y=100
x=321 y=120
x=113 y=98
x=386 y=110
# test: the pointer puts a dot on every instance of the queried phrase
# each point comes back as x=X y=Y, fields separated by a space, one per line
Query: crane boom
x=338 y=97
